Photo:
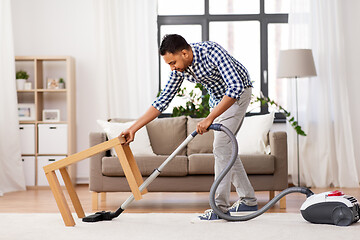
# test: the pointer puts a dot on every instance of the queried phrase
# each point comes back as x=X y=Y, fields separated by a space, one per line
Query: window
x=253 y=31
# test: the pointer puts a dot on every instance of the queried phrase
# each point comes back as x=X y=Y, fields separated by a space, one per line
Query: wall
x=66 y=27
x=351 y=22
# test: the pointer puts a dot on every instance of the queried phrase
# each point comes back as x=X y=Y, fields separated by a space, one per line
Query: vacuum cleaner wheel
x=342 y=216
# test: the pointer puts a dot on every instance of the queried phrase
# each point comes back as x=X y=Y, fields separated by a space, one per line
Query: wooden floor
x=42 y=201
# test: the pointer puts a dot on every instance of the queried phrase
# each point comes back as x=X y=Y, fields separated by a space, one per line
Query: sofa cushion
x=166 y=134
x=176 y=167
x=253 y=164
x=140 y=145
x=252 y=137
x=201 y=143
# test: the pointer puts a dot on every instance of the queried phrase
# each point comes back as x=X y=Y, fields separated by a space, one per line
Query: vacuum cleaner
x=324 y=208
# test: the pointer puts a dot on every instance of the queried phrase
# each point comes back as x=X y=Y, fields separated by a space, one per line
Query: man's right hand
x=129 y=136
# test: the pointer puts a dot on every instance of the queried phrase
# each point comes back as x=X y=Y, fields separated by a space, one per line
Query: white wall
x=65 y=27
x=350 y=12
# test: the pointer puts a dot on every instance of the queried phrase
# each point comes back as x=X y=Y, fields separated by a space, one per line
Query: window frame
x=204 y=20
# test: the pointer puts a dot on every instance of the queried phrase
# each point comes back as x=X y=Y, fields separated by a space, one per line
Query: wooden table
x=127 y=162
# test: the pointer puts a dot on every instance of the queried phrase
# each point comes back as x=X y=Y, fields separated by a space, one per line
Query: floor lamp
x=293 y=64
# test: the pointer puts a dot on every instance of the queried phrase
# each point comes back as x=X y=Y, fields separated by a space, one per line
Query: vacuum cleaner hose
x=234 y=154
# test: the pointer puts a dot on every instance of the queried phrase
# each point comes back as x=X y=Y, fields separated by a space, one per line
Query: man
x=229 y=86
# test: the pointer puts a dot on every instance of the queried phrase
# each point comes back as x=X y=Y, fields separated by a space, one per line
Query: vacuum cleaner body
x=331 y=208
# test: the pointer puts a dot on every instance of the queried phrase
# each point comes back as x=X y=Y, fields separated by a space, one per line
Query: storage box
x=53 y=139
x=43 y=161
x=27 y=138
x=29 y=170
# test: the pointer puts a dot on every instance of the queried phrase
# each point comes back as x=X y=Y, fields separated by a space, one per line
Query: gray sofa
x=192 y=170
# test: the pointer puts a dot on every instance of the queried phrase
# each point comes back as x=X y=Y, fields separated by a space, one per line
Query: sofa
x=192 y=170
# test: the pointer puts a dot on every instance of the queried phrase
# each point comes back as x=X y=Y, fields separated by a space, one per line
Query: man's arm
x=149 y=115
x=223 y=105
x=159 y=105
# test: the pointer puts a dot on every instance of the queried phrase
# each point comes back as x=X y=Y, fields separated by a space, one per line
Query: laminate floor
x=42 y=201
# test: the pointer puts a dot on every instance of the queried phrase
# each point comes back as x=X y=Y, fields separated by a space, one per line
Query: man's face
x=178 y=61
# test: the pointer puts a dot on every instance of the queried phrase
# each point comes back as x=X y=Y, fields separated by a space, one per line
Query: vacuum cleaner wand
x=105 y=216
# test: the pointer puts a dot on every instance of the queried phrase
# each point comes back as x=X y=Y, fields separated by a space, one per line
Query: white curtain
x=11 y=171
x=128 y=56
x=327 y=156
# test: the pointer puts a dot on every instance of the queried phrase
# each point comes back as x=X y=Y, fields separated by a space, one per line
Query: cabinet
x=29 y=170
x=43 y=161
x=51 y=135
x=27 y=139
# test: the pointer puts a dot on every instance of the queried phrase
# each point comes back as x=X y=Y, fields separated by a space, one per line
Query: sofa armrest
x=278 y=145
x=96 y=182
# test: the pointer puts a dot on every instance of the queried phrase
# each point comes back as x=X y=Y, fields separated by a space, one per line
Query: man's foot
x=209 y=215
x=240 y=208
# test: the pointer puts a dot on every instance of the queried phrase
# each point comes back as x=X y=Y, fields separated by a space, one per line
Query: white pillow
x=252 y=137
x=140 y=146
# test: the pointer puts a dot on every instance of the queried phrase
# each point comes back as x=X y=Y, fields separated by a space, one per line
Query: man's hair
x=172 y=43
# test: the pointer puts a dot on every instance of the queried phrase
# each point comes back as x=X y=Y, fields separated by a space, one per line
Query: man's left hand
x=202 y=127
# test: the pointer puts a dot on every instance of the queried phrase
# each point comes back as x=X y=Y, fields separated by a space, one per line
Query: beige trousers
x=232 y=118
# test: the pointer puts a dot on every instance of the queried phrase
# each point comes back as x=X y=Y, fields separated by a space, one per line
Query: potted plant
x=21 y=77
x=198 y=107
x=61 y=83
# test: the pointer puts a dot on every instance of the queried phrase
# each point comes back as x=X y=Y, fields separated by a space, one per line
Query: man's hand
x=223 y=105
x=202 y=127
x=129 y=136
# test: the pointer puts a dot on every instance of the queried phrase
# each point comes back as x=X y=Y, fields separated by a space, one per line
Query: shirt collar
x=196 y=57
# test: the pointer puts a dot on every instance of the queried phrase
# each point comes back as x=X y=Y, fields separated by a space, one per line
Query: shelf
x=41 y=69
x=41 y=90
x=42 y=122
x=52 y=58
x=51 y=90
x=50 y=154
x=60 y=122
x=24 y=58
x=42 y=58
x=27 y=122
x=26 y=91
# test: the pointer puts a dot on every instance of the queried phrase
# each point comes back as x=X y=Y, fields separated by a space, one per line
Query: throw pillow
x=253 y=135
x=140 y=146
x=201 y=143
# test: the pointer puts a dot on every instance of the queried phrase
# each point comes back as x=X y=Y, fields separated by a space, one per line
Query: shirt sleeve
x=175 y=80
x=225 y=63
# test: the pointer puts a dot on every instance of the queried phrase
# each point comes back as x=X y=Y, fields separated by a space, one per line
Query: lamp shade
x=296 y=63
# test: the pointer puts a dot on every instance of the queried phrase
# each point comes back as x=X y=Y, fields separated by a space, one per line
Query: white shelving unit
x=43 y=142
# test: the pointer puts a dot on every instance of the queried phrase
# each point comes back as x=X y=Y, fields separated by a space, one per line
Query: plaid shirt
x=219 y=72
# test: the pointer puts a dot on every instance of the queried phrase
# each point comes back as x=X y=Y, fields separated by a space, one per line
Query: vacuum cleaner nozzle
x=97 y=217
x=103 y=216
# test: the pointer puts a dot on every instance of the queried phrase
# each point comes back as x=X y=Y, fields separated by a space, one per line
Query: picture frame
x=51 y=115
x=52 y=83
x=26 y=111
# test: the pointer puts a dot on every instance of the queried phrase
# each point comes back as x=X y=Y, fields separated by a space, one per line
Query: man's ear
x=185 y=53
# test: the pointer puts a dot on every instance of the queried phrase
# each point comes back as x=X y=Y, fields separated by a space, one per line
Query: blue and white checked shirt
x=219 y=72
